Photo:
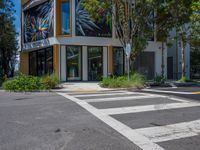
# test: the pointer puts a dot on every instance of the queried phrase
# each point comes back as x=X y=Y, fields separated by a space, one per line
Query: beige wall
x=24 y=63
x=56 y=60
x=23 y=1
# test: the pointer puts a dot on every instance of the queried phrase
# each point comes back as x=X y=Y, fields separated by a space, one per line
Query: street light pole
x=128 y=52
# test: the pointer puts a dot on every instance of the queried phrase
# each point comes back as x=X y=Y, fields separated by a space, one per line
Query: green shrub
x=183 y=80
x=159 y=79
x=24 y=83
x=50 y=81
x=136 y=81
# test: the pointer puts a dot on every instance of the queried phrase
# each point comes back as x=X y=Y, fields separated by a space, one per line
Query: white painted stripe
x=136 y=109
x=139 y=140
x=122 y=98
x=105 y=94
x=171 y=132
x=173 y=92
x=92 y=92
x=178 y=99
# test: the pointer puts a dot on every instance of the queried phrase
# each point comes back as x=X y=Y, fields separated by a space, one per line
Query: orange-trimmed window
x=66 y=17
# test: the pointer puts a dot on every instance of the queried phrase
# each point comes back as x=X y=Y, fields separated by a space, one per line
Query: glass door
x=95 y=63
x=74 y=63
x=41 y=62
x=118 y=61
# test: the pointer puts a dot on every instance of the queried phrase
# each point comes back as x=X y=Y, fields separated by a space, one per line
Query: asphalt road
x=111 y=120
x=149 y=121
x=47 y=121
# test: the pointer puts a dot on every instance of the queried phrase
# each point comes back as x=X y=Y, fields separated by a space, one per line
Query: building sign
x=39 y=22
x=92 y=20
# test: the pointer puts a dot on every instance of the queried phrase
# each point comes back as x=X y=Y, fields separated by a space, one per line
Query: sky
x=17 y=14
x=17 y=25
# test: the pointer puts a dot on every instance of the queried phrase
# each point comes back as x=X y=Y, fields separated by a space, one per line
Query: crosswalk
x=111 y=106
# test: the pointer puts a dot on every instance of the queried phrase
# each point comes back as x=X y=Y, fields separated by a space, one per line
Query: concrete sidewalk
x=81 y=87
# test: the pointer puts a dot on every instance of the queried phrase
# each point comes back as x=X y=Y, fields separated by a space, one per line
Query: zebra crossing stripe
x=122 y=98
x=88 y=93
x=105 y=94
x=162 y=91
x=171 y=132
x=136 y=109
x=138 y=139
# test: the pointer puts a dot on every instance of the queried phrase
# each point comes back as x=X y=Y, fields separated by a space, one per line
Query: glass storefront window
x=95 y=63
x=33 y=63
x=118 y=61
x=41 y=62
x=65 y=17
x=49 y=61
x=73 y=63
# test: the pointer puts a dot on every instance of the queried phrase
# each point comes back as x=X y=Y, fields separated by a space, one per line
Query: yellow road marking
x=196 y=93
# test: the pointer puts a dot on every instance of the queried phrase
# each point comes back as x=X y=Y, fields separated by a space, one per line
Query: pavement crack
x=155 y=124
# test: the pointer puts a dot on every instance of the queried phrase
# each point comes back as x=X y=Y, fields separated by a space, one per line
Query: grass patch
x=50 y=81
x=184 y=80
x=198 y=80
x=136 y=81
x=24 y=83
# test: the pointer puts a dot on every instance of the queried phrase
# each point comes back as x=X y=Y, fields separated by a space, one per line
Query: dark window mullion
x=45 y=61
x=37 y=63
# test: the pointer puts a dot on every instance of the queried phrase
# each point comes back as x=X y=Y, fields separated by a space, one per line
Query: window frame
x=81 y=65
x=113 y=59
x=59 y=22
x=45 y=69
x=101 y=48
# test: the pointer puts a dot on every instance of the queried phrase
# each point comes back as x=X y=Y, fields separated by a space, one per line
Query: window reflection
x=73 y=63
x=95 y=64
x=41 y=62
x=118 y=61
x=65 y=17
x=33 y=63
x=49 y=61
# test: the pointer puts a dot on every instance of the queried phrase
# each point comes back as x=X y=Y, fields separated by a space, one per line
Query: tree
x=133 y=22
x=195 y=25
x=8 y=41
x=176 y=14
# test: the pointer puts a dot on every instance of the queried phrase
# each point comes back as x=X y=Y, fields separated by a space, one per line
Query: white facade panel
x=73 y=18
x=84 y=63
x=105 y=62
x=156 y=47
x=63 y=63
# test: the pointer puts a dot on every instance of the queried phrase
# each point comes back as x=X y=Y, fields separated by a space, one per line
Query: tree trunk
x=183 y=58
x=163 y=66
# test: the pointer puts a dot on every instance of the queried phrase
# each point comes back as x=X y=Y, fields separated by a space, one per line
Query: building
x=174 y=62
x=60 y=36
